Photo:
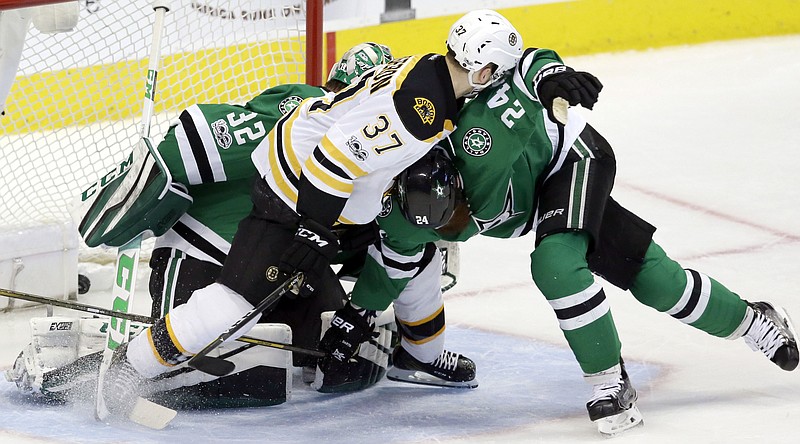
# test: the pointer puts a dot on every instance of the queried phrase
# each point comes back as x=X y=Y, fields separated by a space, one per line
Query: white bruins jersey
x=353 y=144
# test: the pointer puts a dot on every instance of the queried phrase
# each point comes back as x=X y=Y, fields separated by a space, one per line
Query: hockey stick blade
x=212 y=365
x=150 y=414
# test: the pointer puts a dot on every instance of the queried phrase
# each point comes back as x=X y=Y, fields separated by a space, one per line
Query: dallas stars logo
x=288 y=104
x=506 y=213
x=477 y=142
x=439 y=189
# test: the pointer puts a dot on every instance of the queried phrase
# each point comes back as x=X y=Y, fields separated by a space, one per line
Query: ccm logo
x=341 y=323
x=312 y=236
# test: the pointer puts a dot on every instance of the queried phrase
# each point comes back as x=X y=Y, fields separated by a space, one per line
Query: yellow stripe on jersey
x=275 y=167
x=333 y=181
x=346 y=221
x=288 y=149
x=333 y=152
x=448 y=126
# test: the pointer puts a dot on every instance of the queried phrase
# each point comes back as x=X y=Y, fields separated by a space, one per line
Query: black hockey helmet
x=430 y=189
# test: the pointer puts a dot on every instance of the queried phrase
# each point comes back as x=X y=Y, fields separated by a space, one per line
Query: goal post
x=74 y=108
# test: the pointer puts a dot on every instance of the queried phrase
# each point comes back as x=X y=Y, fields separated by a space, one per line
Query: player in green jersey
x=528 y=164
x=329 y=160
x=207 y=151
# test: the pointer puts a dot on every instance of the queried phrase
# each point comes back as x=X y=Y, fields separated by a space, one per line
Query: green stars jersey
x=504 y=147
x=208 y=150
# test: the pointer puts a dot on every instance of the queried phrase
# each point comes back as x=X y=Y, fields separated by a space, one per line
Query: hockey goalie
x=194 y=226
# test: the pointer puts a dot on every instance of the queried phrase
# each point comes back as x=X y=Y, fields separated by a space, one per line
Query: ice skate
x=612 y=405
x=772 y=333
x=448 y=370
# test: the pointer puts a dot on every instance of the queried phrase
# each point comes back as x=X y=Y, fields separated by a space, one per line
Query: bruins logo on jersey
x=477 y=142
x=288 y=104
x=425 y=109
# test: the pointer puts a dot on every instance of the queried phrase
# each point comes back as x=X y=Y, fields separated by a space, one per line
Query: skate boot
x=612 y=404
x=121 y=383
x=771 y=332
x=448 y=370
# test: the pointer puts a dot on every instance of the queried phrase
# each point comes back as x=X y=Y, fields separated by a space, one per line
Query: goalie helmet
x=430 y=189
x=358 y=59
x=481 y=37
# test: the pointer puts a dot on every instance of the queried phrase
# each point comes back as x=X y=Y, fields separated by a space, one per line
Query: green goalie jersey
x=504 y=147
x=208 y=150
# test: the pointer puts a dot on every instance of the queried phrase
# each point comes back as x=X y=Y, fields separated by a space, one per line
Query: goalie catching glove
x=576 y=87
x=310 y=253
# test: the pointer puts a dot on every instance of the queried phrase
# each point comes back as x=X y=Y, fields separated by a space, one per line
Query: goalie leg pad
x=138 y=197
x=263 y=376
x=63 y=357
x=53 y=344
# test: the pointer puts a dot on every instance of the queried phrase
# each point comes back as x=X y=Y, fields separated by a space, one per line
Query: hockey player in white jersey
x=328 y=161
x=190 y=253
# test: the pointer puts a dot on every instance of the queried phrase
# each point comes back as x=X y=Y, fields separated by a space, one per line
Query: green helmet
x=358 y=59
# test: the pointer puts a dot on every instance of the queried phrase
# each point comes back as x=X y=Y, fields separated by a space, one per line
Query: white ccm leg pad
x=207 y=313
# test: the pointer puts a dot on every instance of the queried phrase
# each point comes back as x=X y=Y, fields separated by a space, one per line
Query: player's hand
x=576 y=87
x=311 y=252
x=350 y=326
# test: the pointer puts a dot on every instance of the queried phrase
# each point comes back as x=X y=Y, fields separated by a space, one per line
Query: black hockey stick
x=220 y=367
x=72 y=305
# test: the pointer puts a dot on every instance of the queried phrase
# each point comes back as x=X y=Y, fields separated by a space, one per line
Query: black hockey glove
x=357 y=237
x=350 y=327
x=576 y=87
x=311 y=252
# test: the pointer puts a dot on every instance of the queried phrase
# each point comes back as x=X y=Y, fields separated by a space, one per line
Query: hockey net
x=76 y=103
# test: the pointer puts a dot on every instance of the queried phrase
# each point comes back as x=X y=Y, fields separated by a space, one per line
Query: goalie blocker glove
x=576 y=87
x=310 y=253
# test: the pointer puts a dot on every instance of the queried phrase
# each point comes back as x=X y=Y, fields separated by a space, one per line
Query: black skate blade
x=422 y=378
x=212 y=365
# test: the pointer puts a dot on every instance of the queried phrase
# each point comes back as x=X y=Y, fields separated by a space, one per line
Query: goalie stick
x=144 y=412
x=220 y=367
x=73 y=305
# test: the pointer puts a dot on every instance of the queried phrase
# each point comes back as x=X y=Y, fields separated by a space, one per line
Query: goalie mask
x=359 y=59
x=430 y=189
x=482 y=37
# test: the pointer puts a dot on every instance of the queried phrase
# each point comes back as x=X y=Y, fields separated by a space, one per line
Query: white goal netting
x=75 y=106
